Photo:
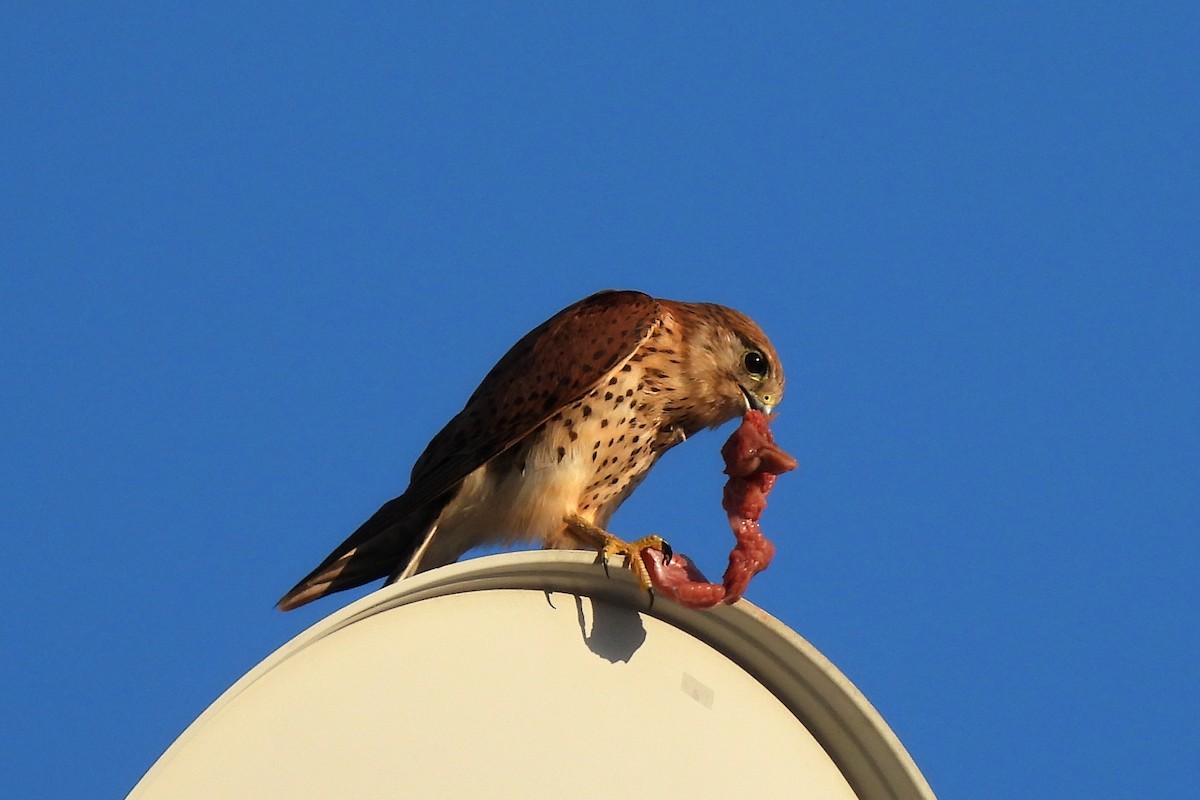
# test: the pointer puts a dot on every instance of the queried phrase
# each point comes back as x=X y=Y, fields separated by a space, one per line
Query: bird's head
x=730 y=364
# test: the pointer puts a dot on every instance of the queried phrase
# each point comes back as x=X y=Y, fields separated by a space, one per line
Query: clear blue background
x=253 y=258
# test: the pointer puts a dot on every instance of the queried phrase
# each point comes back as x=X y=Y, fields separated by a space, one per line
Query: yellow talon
x=608 y=545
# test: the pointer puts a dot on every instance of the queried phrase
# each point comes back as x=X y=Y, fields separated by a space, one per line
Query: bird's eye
x=755 y=363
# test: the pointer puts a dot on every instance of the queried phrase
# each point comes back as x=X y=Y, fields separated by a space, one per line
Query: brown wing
x=551 y=367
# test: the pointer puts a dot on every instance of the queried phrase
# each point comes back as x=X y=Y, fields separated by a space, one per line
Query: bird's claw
x=609 y=545
x=632 y=551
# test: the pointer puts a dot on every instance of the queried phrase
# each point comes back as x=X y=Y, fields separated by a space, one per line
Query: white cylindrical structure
x=530 y=675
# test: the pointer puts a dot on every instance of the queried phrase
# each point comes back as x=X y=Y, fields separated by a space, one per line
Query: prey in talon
x=559 y=433
x=752 y=461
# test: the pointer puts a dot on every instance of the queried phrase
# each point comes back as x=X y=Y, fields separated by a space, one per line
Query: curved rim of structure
x=842 y=720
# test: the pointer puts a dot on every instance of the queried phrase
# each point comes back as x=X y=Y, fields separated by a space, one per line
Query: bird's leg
x=609 y=545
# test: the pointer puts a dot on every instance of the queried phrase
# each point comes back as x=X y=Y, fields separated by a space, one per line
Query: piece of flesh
x=752 y=461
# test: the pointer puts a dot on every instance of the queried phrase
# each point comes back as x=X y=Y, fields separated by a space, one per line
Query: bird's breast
x=583 y=461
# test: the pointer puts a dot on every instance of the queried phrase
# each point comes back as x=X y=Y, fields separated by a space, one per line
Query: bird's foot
x=608 y=545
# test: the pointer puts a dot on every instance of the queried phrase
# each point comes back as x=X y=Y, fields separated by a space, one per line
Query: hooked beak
x=752 y=401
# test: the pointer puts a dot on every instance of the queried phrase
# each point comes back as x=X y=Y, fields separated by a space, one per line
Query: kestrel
x=559 y=433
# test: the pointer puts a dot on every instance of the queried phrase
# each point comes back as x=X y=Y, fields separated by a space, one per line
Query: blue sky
x=253 y=258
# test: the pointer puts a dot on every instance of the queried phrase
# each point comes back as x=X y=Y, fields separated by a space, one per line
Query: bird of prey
x=562 y=430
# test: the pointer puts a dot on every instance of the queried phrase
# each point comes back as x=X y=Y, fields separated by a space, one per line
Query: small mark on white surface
x=696 y=690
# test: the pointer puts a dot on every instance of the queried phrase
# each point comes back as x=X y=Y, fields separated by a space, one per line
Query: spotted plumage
x=563 y=428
